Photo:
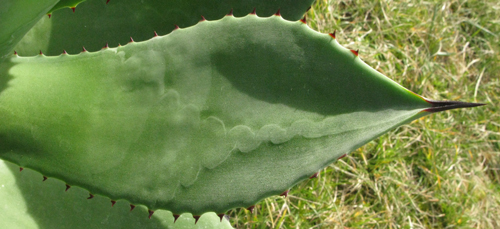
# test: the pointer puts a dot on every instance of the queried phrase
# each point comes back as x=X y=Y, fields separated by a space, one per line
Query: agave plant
x=182 y=106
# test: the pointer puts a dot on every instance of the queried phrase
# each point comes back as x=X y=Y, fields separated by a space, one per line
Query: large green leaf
x=95 y=23
x=27 y=202
x=17 y=18
x=208 y=118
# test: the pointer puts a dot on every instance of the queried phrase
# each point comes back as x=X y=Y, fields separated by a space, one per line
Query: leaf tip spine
x=448 y=105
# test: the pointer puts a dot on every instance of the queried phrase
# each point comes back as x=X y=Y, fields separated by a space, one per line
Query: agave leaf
x=95 y=23
x=27 y=202
x=208 y=118
x=17 y=18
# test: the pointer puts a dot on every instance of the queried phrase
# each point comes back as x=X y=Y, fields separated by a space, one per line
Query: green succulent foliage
x=207 y=118
x=188 y=123
x=27 y=202
x=95 y=23
x=17 y=18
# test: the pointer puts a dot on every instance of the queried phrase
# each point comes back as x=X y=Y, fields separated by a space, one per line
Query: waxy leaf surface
x=207 y=118
x=95 y=23
x=27 y=203
x=16 y=19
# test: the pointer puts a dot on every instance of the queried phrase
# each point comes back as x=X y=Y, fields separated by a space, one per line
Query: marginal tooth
x=278 y=13
x=341 y=156
x=314 y=175
x=107 y=2
x=132 y=207
x=251 y=208
x=176 y=217
x=221 y=216
x=83 y=49
x=21 y=169
x=303 y=20
x=50 y=15
x=285 y=193
x=333 y=34
x=253 y=12
x=203 y=18
x=105 y=47
x=73 y=8
x=230 y=13
x=64 y=52
x=44 y=178
x=113 y=203
x=151 y=212
x=131 y=40
x=156 y=34
x=90 y=196
x=196 y=218
x=67 y=187
x=355 y=52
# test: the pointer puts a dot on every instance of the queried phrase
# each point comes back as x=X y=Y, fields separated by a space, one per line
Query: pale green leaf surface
x=95 y=23
x=17 y=18
x=208 y=118
x=27 y=202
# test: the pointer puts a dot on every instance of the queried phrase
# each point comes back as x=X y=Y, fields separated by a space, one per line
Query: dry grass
x=441 y=171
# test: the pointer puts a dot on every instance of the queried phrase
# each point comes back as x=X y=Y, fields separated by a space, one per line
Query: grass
x=441 y=171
